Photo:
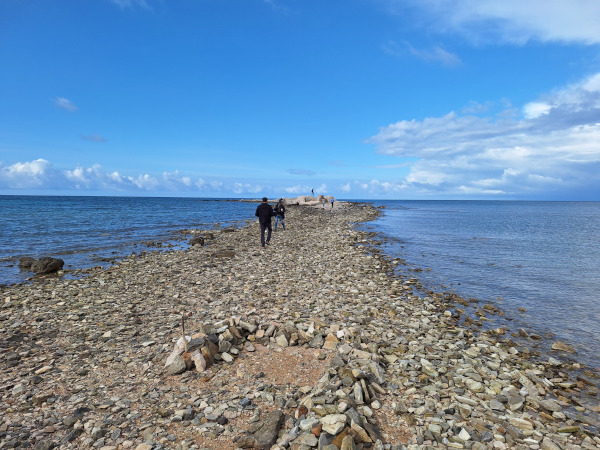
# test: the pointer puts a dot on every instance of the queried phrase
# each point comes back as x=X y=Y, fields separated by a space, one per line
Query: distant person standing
x=264 y=212
x=280 y=214
x=332 y=200
x=312 y=191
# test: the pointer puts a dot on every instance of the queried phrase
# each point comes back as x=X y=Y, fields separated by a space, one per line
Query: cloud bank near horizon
x=41 y=175
x=552 y=145
x=548 y=149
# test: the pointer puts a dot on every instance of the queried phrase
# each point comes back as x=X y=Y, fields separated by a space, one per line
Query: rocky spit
x=312 y=342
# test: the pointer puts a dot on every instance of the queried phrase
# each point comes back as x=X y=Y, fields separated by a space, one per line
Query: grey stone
x=47 y=265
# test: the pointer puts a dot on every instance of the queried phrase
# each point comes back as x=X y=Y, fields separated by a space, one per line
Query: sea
x=538 y=262
x=93 y=231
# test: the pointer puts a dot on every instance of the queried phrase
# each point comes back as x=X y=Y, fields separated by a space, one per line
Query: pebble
x=83 y=360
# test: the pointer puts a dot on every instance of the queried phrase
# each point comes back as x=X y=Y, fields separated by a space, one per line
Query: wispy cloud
x=513 y=21
x=298 y=189
x=93 y=138
x=302 y=172
x=242 y=188
x=553 y=145
x=65 y=103
x=393 y=166
x=277 y=6
x=435 y=54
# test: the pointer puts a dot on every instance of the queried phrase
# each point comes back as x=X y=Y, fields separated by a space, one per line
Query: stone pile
x=316 y=341
x=339 y=405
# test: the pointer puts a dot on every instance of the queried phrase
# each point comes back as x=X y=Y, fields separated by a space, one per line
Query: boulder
x=198 y=240
x=175 y=365
x=26 y=262
x=47 y=265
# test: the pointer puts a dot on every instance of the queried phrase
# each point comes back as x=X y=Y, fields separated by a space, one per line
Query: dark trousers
x=263 y=227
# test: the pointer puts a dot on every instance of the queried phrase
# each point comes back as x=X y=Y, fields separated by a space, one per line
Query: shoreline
x=100 y=343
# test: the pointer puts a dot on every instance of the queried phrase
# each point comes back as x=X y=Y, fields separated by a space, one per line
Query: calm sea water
x=84 y=230
x=540 y=256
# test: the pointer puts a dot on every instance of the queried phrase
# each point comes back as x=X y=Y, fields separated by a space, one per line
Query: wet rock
x=562 y=347
x=47 y=265
x=26 y=262
x=198 y=240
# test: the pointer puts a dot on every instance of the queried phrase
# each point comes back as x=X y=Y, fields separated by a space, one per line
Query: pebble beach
x=312 y=342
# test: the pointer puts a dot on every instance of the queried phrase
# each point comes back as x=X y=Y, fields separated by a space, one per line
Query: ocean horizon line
x=358 y=200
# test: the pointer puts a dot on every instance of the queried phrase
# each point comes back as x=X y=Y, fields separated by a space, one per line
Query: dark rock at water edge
x=26 y=262
x=47 y=265
x=198 y=240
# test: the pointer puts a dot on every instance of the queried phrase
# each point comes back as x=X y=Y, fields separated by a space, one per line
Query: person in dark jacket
x=280 y=214
x=264 y=212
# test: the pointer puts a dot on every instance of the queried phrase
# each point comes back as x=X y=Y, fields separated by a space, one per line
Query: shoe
x=268 y=243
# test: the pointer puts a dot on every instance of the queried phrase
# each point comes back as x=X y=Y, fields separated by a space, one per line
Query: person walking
x=264 y=212
x=280 y=214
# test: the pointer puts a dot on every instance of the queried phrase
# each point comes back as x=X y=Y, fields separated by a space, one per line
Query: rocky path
x=309 y=343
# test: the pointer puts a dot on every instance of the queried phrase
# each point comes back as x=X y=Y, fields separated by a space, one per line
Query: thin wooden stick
x=185 y=348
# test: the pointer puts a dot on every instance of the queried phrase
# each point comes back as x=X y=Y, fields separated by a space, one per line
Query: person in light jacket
x=280 y=214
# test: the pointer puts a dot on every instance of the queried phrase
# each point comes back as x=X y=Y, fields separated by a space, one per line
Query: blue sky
x=369 y=99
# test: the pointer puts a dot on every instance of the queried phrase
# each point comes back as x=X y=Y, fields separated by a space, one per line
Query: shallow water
x=84 y=230
x=540 y=256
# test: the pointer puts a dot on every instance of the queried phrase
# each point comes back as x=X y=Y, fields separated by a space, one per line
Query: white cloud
x=345 y=188
x=216 y=185
x=536 y=109
x=513 y=21
x=19 y=175
x=39 y=174
x=172 y=181
x=200 y=183
x=145 y=182
x=65 y=103
x=116 y=177
x=77 y=175
x=242 y=188
x=298 y=189
x=434 y=54
x=385 y=186
x=555 y=144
